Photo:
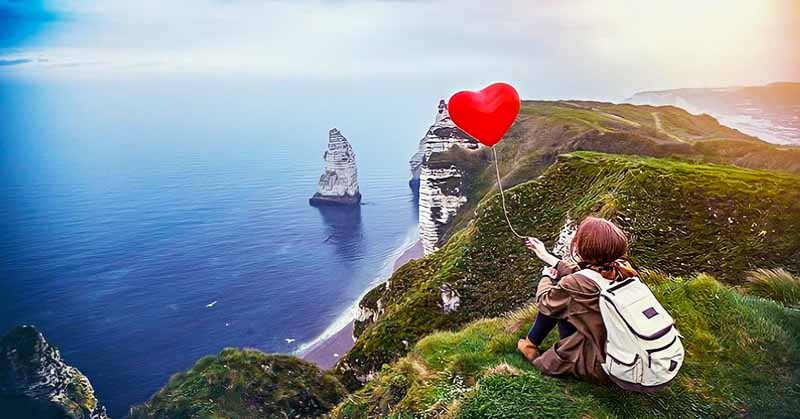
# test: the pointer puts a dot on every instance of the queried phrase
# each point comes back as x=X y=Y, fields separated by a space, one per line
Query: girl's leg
x=565 y=329
x=541 y=328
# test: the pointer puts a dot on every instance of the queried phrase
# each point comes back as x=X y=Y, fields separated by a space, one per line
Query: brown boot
x=528 y=349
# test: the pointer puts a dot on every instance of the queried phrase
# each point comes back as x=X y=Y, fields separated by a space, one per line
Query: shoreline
x=327 y=352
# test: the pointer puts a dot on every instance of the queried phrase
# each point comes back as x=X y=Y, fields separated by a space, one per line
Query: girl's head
x=598 y=242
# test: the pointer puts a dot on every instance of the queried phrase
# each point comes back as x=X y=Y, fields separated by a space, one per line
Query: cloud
x=4 y=62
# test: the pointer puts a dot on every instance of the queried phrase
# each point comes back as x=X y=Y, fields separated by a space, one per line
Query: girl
x=571 y=302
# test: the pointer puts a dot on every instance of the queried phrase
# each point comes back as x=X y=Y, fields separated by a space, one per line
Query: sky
x=549 y=49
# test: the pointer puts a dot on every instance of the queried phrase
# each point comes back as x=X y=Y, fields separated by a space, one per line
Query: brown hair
x=599 y=242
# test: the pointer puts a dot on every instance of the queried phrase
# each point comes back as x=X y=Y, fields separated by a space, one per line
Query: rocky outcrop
x=451 y=299
x=370 y=308
x=339 y=184
x=36 y=383
x=564 y=241
x=440 y=183
x=442 y=135
x=440 y=197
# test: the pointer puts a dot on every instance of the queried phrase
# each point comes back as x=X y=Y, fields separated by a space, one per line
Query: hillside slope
x=742 y=360
x=244 y=384
x=683 y=218
x=546 y=129
x=641 y=129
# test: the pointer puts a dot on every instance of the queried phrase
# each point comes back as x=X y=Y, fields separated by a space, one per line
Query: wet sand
x=327 y=352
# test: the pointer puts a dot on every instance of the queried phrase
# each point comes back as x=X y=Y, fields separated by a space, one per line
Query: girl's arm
x=552 y=299
x=562 y=267
x=537 y=247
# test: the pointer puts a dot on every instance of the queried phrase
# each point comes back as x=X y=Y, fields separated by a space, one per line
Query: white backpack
x=643 y=348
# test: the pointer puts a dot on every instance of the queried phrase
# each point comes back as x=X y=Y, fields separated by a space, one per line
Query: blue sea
x=147 y=223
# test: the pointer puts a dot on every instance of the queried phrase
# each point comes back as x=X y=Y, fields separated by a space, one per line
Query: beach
x=328 y=351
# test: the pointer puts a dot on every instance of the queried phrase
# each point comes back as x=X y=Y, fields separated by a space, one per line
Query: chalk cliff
x=440 y=183
x=338 y=185
x=35 y=381
x=442 y=135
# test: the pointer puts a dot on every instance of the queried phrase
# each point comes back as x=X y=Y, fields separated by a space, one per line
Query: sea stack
x=339 y=184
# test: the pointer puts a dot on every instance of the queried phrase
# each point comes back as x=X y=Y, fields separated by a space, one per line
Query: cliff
x=545 y=129
x=440 y=183
x=338 y=185
x=244 y=384
x=36 y=383
x=442 y=135
x=683 y=217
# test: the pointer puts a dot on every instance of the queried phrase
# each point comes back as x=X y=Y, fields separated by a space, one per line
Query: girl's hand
x=537 y=247
x=549 y=272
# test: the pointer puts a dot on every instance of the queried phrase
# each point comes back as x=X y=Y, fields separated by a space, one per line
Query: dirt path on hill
x=660 y=128
x=618 y=118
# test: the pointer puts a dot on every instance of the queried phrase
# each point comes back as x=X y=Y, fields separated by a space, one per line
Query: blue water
x=129 y=206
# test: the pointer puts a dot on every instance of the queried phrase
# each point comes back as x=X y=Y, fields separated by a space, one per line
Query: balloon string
x=503 y=196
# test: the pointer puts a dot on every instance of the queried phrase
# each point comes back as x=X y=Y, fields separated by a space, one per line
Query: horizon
x=549 y=51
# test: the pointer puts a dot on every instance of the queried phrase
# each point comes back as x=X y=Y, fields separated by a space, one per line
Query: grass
x=742 y=360
x=244 y=384
x=775 y=284
x=683 y=218
x=676 y=123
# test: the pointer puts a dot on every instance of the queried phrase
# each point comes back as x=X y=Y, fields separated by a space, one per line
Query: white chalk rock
x=441 y=191
x=339 y=183
x=451 y=300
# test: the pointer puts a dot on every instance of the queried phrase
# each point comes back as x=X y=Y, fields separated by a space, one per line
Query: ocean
x=147 y=223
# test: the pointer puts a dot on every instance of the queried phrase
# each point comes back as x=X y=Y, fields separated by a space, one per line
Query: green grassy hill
x=683 y=218
x=546 y=129
x=244 y=384
x=742 y=361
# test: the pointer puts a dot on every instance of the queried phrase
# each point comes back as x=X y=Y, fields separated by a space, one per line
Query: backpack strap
x=595 y=277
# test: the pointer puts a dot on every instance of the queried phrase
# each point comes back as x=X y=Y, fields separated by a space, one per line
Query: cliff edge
x=36 y=383
x=244 y=384
x=440 y=182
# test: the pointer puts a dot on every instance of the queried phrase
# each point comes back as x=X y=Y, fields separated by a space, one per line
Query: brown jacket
x=576 y=299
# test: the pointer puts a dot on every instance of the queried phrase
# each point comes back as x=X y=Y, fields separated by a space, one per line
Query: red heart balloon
x=487 y=114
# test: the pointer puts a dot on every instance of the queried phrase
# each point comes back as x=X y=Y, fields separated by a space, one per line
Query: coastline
x=326 y=352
